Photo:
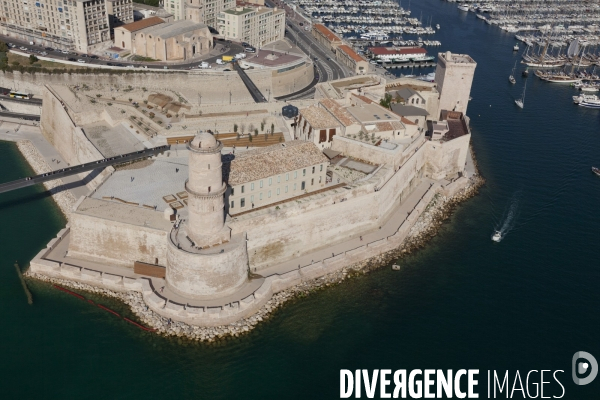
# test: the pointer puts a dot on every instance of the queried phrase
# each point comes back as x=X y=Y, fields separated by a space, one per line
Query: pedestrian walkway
x=13 y=132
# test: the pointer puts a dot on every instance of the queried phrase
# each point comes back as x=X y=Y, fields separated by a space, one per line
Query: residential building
x=120 y=12
x=326 y=37
x=257 y=26
x=344 y=54
x=268 y=175
x=80 y=25
x=176 y=8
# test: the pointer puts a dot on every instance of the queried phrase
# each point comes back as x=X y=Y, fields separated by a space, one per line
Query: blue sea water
x=528 y=302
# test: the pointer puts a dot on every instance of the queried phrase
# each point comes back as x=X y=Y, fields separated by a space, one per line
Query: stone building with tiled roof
x=272 y=174
x=326 y=37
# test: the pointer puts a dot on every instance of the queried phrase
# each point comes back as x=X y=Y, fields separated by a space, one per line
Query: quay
x=407 y=65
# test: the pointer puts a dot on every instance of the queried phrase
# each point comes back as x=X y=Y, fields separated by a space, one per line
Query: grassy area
x=24 y=61
x=141 y=58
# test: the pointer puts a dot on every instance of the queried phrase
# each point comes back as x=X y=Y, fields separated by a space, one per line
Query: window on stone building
x=232 y=190
x=321 y=167
x=313 y=170
x=270 y=181
x=295 y=174
x=231 y=203
x=277 y=191
x=287 y=177
x=303 y=185
x=269 y=194
x=252 y=199
x=294 y=186
x=243 y=202
x=312 y=181
x=278 y=178
x=260 y=183
x=242 y=188
x=260 y=196
x=286 y=189
x=303 y=172
x=252 y=186
x=208 y=166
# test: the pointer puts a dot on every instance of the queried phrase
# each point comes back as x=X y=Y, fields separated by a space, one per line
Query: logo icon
x=581 y=367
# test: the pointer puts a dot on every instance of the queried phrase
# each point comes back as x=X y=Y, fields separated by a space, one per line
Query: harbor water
x=526 y=303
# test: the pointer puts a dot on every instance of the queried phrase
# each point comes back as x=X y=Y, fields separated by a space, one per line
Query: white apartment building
x=120 y=12
x=81 y=25
x=176 y=8
x=257 y=26
x=199 y=11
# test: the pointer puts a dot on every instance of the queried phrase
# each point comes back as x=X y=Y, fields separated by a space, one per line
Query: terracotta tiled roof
x=274 y=160
x=351 y=53
x=332 y=37
x=319 y=118
x=338 y=112
x=407 y=121
x=363 y=98
x=141 y=24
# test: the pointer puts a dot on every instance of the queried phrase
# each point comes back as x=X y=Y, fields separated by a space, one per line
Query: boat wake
x=507 y=222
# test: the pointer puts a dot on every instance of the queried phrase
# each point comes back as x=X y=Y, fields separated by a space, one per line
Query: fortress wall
x=293 y=80
x=113 y=242
x=206 y=276
x=213 y=85
x=280 y=235
x=445 y=159
x=60 y=130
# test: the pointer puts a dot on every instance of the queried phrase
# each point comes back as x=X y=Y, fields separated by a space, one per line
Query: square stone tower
x=454 y=76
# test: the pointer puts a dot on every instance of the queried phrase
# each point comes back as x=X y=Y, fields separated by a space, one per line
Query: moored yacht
x=587 y=100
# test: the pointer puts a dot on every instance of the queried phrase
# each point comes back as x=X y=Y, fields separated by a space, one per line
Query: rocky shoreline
x=426 y=226
x=63 y=198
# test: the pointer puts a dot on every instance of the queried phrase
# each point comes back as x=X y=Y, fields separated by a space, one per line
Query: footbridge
x=61 y=173
x=254 y=91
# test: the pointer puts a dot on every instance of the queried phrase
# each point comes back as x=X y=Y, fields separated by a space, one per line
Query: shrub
x=145 y=101
x=262 y=126
x=235 y=128
x=122 y=111
x=250 y=138
x=98 y=95
x=109 y=104
x=33 y=59
x=255 y=132
x=144 y=89
x=130 y=99
x=114 y=98
x=272 y=127
x=159 y=122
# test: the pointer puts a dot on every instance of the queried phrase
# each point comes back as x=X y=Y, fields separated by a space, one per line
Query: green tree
x=3 y=47
x=386 y=101
x=33 y=59
x=272 y=127
x=235 y=128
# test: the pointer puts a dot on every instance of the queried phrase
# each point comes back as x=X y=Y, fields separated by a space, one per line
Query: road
x=29 y=117
x=49 y=176
x=231 y=50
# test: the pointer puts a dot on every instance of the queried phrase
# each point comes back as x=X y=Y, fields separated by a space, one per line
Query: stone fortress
x=208 y=231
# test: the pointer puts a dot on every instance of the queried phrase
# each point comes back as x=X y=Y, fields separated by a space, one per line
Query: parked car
x=110 y=64
x=43 y=53
x=219 y=61
x=119 y=65
x=301 y=24
x=65 y=51
x=84 y=56
x=250 y=50
x=48 y=49
x=244 y=44
x=94 y=57
x=130 y=66
x=143 y=66
x=11 y=45
x=81 y=61
x=165 y=67
x=71 y=59
x=23 y=48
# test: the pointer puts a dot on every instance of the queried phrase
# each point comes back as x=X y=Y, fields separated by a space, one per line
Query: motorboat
x=463 y=7
x=596 y=170
x=516 y=47
x=587 y=100
x=396 y=267
x=437 y=26
x=497 y=236
x=521 y=102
